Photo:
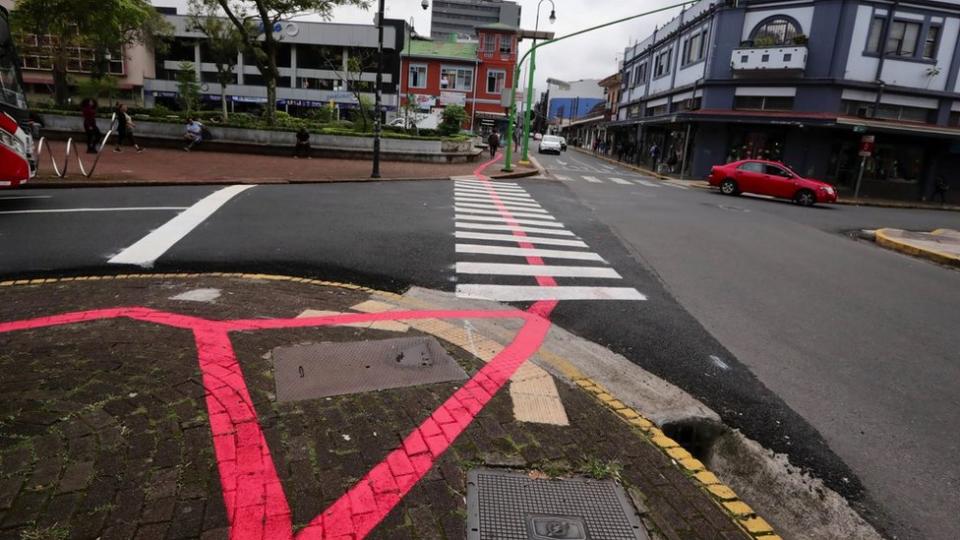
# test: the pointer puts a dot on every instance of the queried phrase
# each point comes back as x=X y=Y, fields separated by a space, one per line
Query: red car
x=770 y=178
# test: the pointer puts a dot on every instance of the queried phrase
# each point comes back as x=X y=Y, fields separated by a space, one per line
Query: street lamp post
x=507 y=166
x=378 y=91
x=531 y=69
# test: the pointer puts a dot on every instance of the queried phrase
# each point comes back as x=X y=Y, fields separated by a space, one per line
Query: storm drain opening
x=504 y=505
x=695 y=435
x=316 y=370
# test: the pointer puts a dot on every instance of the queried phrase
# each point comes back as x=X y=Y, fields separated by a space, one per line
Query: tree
x=357 y=64
x=255 y=18
x=223 y=45
x=104 y=26
x=187 y=86
x=453 y=118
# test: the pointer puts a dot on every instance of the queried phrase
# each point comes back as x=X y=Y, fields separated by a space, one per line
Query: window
x=773 y=170
x=689 y=104
x=495 y=81
x=902 y=39
x=661 y=64
x=694 y=48
x=313 y=83
x=876 y=32
x=751 y=166
x=930 y=43
x=775 y=31
x=319 y=57
x=889 y=112
x=417 y=78
x=488 y=43
x=763 y=103
x=506 y=45
x=954 y=120
x=658 y=110
x=453 y=78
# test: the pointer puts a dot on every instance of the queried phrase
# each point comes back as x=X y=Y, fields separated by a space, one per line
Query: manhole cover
x=316 y=370
x=512 y=506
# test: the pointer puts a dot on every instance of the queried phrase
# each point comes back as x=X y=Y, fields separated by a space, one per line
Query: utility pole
x=378 y=92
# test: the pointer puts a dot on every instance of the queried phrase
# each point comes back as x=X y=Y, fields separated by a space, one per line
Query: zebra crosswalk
x=633 y=181
x=498 y=220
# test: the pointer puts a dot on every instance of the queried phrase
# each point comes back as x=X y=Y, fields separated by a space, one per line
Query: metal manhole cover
x=316 y=370
x=512 y=506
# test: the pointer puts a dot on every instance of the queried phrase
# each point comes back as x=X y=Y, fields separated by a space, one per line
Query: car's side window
x=773 y=170
x=752 y=166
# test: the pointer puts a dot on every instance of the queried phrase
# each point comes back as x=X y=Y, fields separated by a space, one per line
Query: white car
x=550 y=143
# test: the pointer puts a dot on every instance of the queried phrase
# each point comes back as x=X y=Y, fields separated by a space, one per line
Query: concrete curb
x=892 y=204
x=883 y=238
x=722 y=495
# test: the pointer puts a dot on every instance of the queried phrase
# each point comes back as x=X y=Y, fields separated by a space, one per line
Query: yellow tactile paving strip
x=740 y=512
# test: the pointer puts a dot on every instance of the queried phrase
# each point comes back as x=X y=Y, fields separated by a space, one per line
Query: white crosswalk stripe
x=620 y=181
x=505 y=221
x=563 y=178
x=671 y=184
x=646 y=183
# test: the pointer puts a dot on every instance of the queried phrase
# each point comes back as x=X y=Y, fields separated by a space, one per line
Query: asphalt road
x=819 y=333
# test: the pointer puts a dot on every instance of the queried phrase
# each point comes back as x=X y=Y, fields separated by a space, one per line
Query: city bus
x=17 y=163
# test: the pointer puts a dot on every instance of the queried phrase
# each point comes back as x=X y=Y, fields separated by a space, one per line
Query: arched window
x=779 y=30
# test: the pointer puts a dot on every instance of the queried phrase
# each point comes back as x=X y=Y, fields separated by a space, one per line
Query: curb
x=740 y=513
x=911 y=206
x=882 y=238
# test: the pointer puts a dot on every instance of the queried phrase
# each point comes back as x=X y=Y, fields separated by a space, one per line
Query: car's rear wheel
x=805 y=197
x=729 y=187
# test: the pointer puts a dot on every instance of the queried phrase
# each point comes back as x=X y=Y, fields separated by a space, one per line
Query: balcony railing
x=779 y=60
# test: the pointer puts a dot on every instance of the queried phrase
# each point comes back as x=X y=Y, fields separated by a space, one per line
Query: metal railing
x=62 y=173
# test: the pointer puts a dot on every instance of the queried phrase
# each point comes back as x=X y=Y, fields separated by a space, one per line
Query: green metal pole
x=525 y=159
x=507 y=167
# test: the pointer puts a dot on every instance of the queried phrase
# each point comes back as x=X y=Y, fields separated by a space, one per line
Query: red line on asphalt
x=257 y=507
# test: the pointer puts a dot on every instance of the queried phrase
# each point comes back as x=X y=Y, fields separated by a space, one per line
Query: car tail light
x=8 y=124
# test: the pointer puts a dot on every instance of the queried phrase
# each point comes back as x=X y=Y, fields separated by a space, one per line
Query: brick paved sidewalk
x=104 y=431
x=177 y=166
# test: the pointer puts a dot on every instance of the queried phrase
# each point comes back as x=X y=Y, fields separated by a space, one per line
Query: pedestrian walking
x=125 y=127
x=493 y=142
x=302 y=147
x=194 y=133
x=88 y=109
x=619 y=150
x=654 y=155
x=940 y=189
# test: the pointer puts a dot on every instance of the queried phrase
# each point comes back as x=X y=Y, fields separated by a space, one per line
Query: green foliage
x=106 y=87
x=187 y=87
x=602 y=470
x=453 y=118
x=323 y=115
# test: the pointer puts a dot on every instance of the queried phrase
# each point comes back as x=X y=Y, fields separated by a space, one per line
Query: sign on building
x=453 y=98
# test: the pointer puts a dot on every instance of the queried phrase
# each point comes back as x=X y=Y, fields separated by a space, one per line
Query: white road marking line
x=509 y=207
x=647 y=183
x=563 y=163
x=675 y=185
x=485 y=194
x=500 y=219
x=528 y=252
x=467 y=199
x=488 y=227
x=497 y=192
x=466 y=235
x=620 y=181
x=523 y=293
x=25 y=197
x=593 y=179
x=563 y=178
x=494 y=187
x=108 y=209
x=148 y=249
x=487 y=183
x=503 y=269
x=499 y=213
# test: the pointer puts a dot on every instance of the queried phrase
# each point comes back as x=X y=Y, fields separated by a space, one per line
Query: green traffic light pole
x=508 y=159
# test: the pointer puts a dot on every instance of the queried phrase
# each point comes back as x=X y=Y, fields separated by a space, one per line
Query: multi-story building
x=575 y=101
x=461 y=18
x=801 y=83
x=313 y=60
x=473 y=74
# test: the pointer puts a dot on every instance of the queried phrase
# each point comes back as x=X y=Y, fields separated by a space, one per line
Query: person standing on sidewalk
x=125 y=127
x=303 y=144
x=654 y=155
x=940 y=189
x=493 y=141
x=89 y=111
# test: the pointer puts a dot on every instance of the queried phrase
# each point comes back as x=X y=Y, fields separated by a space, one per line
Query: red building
x=473 y=74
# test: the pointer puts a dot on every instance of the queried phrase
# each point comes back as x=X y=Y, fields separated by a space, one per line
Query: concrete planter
x=234 y=139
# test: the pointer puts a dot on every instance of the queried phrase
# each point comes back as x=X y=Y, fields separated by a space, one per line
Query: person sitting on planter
x=194 y=133
x=302 y=147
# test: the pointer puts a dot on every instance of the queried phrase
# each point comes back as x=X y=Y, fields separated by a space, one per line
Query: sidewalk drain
x=316 y=370
x=505 y=505
x=695 y=435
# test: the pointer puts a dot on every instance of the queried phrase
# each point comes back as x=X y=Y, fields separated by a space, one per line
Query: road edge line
x=883 y=239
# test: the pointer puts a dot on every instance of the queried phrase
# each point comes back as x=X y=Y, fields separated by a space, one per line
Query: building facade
x=472 y=74
x=313 y=60
x=460 y=18
x=569 y=104
x=801 y=82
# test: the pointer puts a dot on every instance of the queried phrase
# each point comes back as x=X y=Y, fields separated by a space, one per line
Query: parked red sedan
x=770 y=178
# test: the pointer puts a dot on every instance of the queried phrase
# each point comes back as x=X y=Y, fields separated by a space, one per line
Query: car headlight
x=827 y=189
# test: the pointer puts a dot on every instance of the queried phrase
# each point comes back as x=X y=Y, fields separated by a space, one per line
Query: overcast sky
x=591 y=56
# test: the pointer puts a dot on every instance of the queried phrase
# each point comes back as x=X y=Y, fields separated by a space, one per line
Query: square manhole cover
x=512 y=506
x=316 y=370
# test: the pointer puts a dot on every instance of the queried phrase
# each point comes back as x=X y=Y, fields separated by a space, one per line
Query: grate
x=316 y=370
x=512 y=506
